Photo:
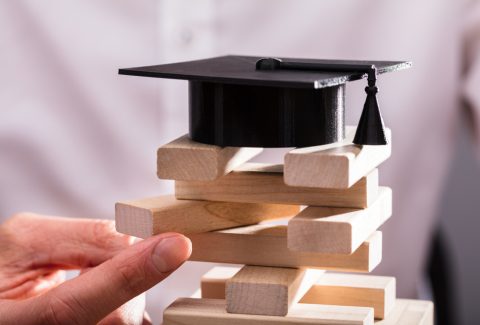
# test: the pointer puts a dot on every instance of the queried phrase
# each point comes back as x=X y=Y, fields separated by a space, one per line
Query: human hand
x=35 y=250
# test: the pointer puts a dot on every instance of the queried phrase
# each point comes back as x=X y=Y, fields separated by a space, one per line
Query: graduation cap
x=245 y=101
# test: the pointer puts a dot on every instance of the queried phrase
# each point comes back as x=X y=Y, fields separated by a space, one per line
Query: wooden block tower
x=327 y=188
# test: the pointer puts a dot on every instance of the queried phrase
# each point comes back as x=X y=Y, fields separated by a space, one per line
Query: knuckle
x=106 y=235
x=130 y=277
x=61 y=310
x=102 y=230
x=101 y=227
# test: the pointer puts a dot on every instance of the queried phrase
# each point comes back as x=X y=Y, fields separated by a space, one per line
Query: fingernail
x=171 y=252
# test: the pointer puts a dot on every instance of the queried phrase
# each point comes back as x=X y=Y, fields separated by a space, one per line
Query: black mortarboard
x=245 y=101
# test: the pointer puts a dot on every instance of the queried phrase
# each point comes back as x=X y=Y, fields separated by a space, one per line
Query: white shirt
x=75 y=137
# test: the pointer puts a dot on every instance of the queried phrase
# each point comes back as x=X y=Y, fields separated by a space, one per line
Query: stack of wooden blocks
x=220 y=199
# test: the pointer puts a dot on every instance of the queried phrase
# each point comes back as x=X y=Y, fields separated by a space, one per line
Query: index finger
x=91 y=296
x=65 y=242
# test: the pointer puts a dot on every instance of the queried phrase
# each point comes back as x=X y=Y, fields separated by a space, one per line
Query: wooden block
x=259 y=290
x=338 y=230
x=268 y=187
x=148 y=217
x=377 y=292
x=213 y=282
x=409 y=312
x=405 y=312
x=190 y=311
x=336 y=165
x=266 y=245
x=184 y=159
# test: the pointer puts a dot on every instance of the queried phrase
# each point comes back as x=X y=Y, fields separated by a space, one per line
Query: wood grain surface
x=259 y=290
x=266 y=245
x=184 y=159
x=336 y=165
x=377 y=292
x=257 y=185
x=151 y=216
x=338 y=230
x=191 y=311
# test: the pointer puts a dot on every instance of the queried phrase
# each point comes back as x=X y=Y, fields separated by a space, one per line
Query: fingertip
x=187 y=245
x=171 y=252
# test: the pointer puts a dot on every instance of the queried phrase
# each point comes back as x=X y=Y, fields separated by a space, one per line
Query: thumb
x=95 y=294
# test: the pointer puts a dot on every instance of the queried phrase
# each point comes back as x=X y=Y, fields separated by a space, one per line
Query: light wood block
x=258 y=290
x=409 y=312
x=338 y=230
x=151 y=216
x=336 y=165
x=406 y=312
x=184 y=159
x=266 y=245
x=267 y=186
x=190 y=311
x=377 y=292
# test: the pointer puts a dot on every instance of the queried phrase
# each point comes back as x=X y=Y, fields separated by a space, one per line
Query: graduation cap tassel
x=371 y=130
